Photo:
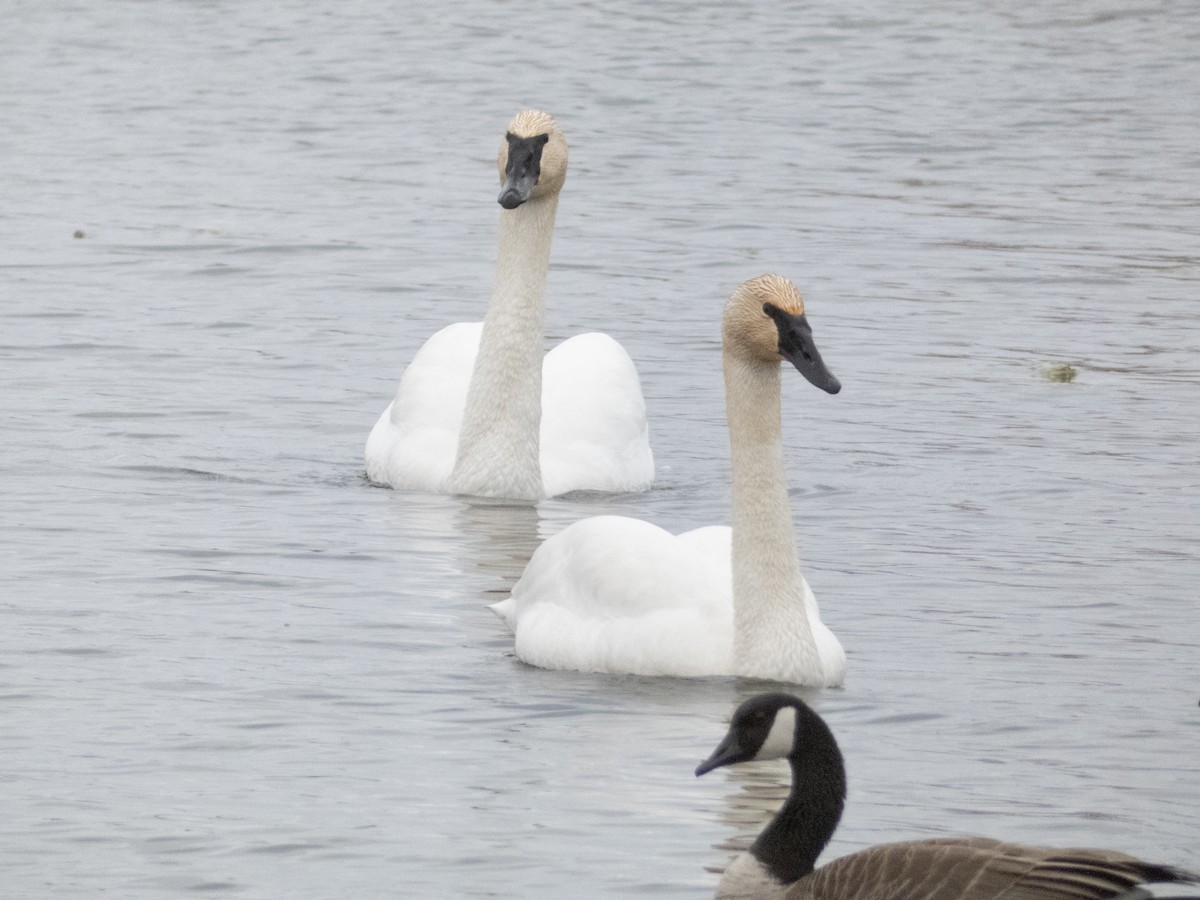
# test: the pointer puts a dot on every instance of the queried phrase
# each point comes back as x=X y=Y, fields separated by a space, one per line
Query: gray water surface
x=229 y=665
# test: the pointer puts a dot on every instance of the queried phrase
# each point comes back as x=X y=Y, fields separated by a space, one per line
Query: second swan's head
x=764 y=322
x=532 y=159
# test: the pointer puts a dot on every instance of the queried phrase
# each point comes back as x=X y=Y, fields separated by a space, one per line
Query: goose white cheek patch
x=782 y=736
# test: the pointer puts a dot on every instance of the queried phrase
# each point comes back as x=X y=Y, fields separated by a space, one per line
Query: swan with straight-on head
x=781 y=863
x=479 y=410
x=619 y=595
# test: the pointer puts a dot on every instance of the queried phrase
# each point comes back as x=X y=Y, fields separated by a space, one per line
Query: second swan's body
x=620 y=595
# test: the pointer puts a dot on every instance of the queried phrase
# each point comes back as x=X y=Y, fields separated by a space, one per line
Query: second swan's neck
x=498 y=449
x=772 y=635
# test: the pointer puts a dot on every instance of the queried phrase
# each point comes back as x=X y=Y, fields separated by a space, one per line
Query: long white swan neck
x=498 y=452
x=771 y=628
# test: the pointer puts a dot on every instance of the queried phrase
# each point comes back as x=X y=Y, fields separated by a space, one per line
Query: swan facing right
x=619 y=595
x=780 y=864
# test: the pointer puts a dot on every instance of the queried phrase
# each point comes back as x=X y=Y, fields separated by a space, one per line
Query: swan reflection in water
x=500 y=537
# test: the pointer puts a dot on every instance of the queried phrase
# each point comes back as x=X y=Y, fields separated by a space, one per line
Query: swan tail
x=506 y=610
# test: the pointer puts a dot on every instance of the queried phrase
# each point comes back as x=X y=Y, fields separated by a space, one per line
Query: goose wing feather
x=978 y=869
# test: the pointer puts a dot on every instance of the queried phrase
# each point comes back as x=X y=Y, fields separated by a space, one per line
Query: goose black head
x=764 y=727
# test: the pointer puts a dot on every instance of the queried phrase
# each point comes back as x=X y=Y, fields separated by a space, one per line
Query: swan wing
x=715 y=542
x=619 y=595
x=413 y=445
x=593 y=433
x=829 y=648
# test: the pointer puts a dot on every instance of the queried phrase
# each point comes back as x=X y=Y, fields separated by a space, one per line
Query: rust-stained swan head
x=764 y=322
x=532 y=159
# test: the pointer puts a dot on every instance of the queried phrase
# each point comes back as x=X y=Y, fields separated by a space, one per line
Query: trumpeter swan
x=478 y=410
x=614 y=594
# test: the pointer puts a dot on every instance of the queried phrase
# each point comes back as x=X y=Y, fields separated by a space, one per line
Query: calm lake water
x=229 y=666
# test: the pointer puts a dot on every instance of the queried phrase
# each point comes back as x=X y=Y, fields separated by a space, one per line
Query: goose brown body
x=780 y=864
x=975 y=868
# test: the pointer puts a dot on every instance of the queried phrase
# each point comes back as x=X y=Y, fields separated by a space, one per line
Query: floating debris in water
x=1063 y=372
x=79 y=233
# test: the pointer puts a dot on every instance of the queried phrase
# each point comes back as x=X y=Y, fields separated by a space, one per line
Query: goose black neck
x=789 y=846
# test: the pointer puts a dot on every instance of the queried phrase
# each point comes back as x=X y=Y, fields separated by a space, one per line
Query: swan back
x=413 y=444
x=593 y=433
x=670 y=616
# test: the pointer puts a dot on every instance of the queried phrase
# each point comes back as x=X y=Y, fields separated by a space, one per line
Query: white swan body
x=479 y=410
x=613 y=594
x=652 y=625
x=592 y=433
x=567 y=613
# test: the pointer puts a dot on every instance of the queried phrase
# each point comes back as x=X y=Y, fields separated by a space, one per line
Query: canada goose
x=779 y=864
x=619 y=595
x=471 y=415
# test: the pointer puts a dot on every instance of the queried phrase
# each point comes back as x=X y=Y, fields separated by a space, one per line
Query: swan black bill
x=523 y=169
x=797 y=347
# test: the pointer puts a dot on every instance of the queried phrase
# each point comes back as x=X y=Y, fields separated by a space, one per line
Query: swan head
x=765 y=322
x=532 y=159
